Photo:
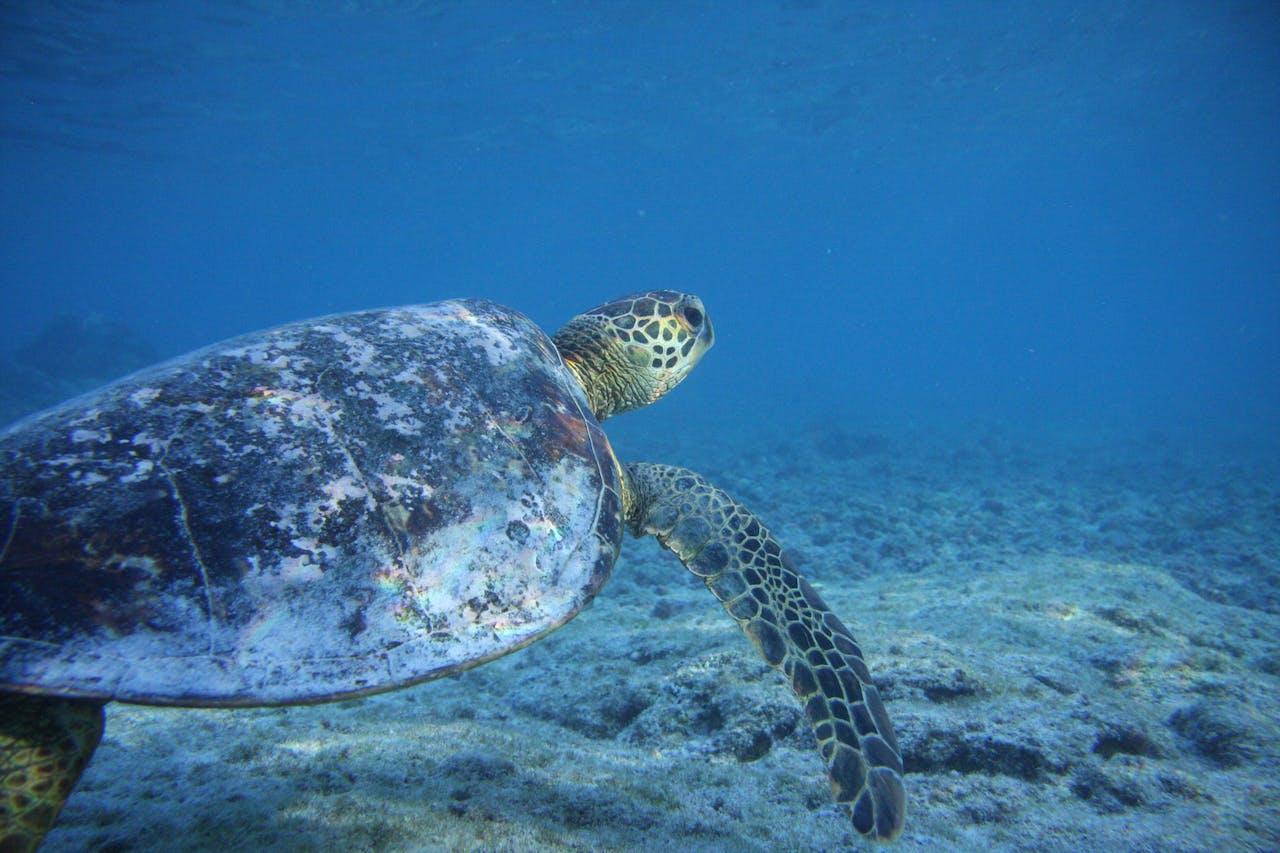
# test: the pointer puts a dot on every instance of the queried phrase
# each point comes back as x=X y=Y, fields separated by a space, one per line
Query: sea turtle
x=360 y=502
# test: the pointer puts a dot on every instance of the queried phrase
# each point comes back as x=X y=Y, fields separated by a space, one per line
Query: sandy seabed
x=1079 y=646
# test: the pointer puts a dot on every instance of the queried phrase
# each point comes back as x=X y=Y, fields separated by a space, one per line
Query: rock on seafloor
x=1079 y=645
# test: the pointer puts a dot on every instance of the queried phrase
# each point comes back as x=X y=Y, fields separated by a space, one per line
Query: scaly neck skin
x=613 y=381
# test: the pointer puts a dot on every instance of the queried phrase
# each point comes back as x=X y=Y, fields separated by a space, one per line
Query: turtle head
x=629 y=352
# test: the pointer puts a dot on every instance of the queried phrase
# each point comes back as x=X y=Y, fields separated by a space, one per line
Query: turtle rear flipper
x=722 y=542
x=45 y=744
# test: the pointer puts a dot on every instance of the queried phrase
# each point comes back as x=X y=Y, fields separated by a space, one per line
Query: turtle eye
x=692 y=316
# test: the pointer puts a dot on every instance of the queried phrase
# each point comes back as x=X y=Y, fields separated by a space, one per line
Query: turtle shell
x=321 y=510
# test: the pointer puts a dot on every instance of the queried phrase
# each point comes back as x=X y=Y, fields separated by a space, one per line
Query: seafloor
x=1078 y=642
x=1079 y=645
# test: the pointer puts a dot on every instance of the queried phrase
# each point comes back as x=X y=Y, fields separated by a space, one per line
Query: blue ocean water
x=996 y=288
x=1050 y=216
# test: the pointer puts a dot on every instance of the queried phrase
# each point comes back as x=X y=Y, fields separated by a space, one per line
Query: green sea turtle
x=360 y=502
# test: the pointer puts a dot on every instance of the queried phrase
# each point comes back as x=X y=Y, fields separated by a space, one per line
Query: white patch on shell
x=64 y=461
x=360 y=354
x=397 y=483
x=495 y=341
x=144 y=396
x=410 y=323
x=348 y=488
x=396 y=415
x=303 y=568
x=270 y=428
x=258 y=351
x=140 y=472
x=154 y=445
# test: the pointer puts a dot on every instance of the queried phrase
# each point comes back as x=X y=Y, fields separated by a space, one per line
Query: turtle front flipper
x=722 y=542
x=45 y=744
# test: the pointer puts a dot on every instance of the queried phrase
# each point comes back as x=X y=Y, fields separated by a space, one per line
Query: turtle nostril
x=692 y=316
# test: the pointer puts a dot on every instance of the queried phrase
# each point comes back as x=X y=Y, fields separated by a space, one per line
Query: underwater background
x=996 y=289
